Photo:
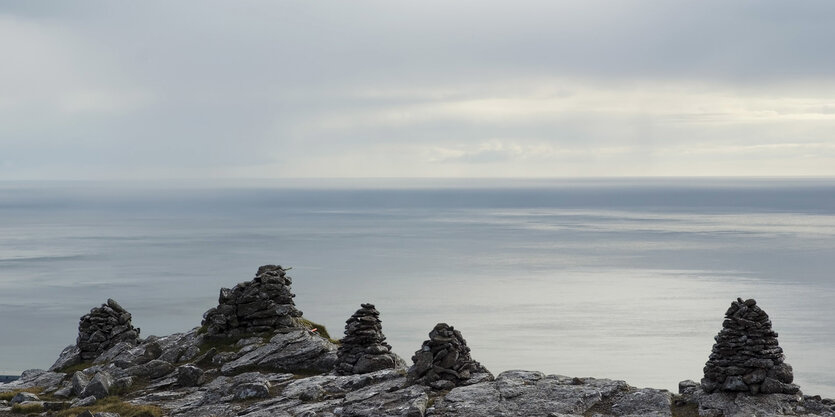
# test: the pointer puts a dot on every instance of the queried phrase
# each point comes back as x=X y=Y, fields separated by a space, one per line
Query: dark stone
x=102 y=328
x=264 y=304
x=746 y=356
x=363 y=349
x=431 y=364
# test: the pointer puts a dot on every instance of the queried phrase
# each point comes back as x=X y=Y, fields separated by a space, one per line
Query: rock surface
x=364 y=348
x=264 y=304
x=444 y=361
x=746 y=356
x=291 y=371
x=104 y=327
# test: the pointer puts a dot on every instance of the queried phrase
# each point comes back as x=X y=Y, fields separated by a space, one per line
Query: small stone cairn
x=364 y=348
x=264 y=304
x=746 y=356
x=444 y=362
x=104 y=327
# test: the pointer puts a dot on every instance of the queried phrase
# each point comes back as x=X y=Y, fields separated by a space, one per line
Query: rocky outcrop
x=364 y=348
x=746 y=356
x=104 y=327
x=444 y=361
x=262 y=305
x=292 y=371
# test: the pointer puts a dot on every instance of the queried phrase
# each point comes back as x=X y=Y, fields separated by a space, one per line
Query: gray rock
x=23 y=397
x=98 y=387
x=84 y=402
x=79 y=382
x=251 y=390
x=121 y=385
x=65 y=391
x=295 y=350
x=153 y=369
x=189 y=376
x=71 y=355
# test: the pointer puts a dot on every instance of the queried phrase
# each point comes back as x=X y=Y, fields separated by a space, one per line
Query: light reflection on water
x=551 y=282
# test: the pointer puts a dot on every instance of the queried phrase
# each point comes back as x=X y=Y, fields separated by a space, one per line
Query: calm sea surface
x=625 y=279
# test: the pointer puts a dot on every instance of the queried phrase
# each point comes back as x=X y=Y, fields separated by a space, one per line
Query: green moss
x=320 y=329
x=114 y=404
x=77 y=367
x=27 y=408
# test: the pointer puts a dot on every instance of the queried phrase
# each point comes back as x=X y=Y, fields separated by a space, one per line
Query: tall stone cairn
x=104 y=327
x=364 y=348
x=264 y=304
x=444 y=361
x=746 y=356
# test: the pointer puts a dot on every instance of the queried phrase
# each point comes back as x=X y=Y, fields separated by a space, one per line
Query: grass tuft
x=320 y=329
x=8 y=395
x=27 y=408
x=114 y=404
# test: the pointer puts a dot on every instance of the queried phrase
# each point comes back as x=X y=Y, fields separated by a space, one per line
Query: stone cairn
x=444 y=361
x=746 y=356
x=364 y=348
x=264 y=304
x=104 y=327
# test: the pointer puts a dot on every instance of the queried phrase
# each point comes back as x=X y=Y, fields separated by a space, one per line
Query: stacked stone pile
x=264 y=304
x=444 y=361
x=104 y=327
x=364 y=348
x=746 y=356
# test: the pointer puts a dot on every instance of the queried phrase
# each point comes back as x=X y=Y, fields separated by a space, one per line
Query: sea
x=610 y=278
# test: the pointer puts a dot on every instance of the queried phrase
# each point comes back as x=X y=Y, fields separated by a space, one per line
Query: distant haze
x=265 y=89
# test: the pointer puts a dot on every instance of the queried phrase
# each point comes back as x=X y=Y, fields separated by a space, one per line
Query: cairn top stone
x=264 y=304
x=746 y=356
x=363 y=349
x=104 y=327
x=444 y=361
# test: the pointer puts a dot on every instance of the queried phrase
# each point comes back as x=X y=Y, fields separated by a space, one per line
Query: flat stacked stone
x=104 y=327
x=264 y=304
x=746 y=356
x=364 y=348
x=444 y=361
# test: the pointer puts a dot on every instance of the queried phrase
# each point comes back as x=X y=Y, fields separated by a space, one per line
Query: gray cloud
x=377 y=88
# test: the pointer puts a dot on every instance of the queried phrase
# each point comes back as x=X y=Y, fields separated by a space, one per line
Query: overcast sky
x=279 y=89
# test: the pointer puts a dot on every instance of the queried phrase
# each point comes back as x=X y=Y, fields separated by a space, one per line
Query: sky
x=157 y=90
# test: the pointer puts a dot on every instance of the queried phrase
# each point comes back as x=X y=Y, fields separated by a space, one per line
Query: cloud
x=371 y=88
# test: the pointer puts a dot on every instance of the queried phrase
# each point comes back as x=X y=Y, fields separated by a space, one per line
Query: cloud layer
x=395 y=89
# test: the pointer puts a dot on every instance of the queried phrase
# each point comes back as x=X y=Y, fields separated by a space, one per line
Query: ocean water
x=623 y=279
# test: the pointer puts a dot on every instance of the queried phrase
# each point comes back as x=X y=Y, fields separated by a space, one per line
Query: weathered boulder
x=444 y=361
x=98 y=387
x=189 y=376
x=79 y=382
x=264 y=304
x=363 y=349
x=71 y=355
x=295 y=350
x=104 y=327
x=152 y=370
x=746 y=356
